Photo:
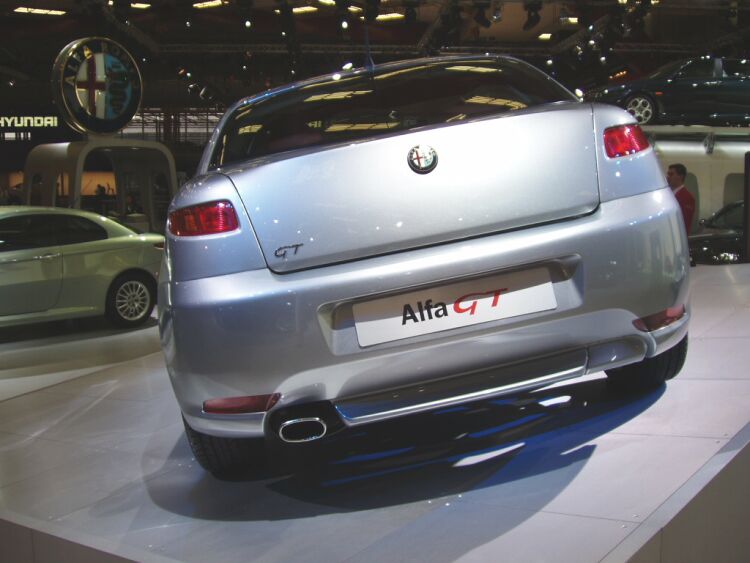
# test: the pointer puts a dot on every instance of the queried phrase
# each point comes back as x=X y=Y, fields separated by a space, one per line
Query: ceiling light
x=344 y=24
x=248 y=23
x=304 y=9
x=355 y=9
x=496 y=11
x=390 y=17
x=327 y=2
x=347 y=66
x=39 y=11
x=545 y=36
x=410 y=13
x=209 y=4
x=481 y=17
x=140 y=5
x=532 y=14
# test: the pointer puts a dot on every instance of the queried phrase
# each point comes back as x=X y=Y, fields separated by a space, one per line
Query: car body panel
x=31 y=280
x=605 y=233
x=606 y=274
x=78 y=274
x=303 y=201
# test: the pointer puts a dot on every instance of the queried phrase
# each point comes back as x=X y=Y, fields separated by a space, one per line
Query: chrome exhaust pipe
x=299 y=430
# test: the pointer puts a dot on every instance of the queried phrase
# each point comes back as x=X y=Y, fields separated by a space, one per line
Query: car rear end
x=318 y=275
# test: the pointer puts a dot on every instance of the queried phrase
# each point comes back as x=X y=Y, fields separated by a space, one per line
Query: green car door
x=30 y=264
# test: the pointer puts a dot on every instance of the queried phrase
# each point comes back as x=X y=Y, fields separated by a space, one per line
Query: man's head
x=676 y=175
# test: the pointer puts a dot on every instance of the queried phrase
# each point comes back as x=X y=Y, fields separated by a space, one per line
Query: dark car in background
x=719 y=239
x=703 y=90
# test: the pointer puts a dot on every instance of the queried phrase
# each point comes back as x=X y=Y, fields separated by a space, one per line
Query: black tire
x=131 y=299
x=650 y=373
x=643 y=108
x=226 y=458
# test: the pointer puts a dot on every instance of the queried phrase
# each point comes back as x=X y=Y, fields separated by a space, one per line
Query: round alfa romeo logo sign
x=97 y=85
x=422 y=159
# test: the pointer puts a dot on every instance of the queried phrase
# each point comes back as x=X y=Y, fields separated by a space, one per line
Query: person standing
x=676 y=174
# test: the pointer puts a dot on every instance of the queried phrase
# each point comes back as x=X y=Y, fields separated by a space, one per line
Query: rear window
x=365 y=106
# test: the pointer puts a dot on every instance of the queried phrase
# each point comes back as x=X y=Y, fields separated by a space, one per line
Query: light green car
x=65 y=263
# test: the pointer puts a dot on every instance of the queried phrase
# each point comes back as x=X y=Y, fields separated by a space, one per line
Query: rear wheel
x=130 y=299
x=642 y=107
x=226 y=458
x=651 y=372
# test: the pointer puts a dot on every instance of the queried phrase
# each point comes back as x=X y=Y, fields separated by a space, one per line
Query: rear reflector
x=624 y=140
x=241 y=405
x=205 y=219
x=660 y=319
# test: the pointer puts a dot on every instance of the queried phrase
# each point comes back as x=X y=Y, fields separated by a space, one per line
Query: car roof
x=111 y=225
x=7 y=210
x=372 y=70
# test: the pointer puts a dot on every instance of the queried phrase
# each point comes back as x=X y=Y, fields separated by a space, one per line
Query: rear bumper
x=255 y=332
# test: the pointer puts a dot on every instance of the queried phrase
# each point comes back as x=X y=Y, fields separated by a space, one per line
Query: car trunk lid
x=349 y=202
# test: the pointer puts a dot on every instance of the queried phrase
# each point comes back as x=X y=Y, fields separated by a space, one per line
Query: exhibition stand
x=97 y=468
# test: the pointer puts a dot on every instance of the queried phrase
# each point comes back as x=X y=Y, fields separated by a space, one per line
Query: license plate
x=453 y=306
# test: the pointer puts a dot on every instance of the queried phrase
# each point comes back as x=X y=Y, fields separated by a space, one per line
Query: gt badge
x=282 y=251
x=422 y=159
x=97 y=85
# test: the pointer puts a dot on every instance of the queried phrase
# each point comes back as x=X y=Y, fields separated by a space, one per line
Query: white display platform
x=94 y=465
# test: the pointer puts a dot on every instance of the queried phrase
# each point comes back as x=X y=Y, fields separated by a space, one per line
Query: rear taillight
x=660 y=319
x=205 y=219
x=624 y=140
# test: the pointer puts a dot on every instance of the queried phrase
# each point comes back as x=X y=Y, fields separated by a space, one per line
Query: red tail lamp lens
x=241 y=405
x=205 y=219
x=660 y=319
x=624 y=140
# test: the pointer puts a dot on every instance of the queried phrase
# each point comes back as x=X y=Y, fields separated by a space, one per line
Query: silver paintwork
x=316 y=201
x=613 y=243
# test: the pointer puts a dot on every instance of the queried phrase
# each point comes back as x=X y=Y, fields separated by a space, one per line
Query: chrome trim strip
x=449 y=401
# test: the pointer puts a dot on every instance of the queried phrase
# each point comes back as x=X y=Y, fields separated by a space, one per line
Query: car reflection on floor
x=451 y=451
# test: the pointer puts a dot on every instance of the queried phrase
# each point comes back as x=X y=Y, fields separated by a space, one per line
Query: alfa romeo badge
x=422 y=159
x=97 y=85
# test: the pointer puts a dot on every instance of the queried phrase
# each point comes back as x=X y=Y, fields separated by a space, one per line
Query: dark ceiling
x=227 y=59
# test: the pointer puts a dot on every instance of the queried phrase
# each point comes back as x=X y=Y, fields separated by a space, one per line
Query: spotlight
x=344 y=24
x=481 y=18
x=410 y=13
x=496 y=11
x=206 y=94
x=248 y=24
x=532 y=14
x=372 y=9
x=187 y=23
x=193 y=89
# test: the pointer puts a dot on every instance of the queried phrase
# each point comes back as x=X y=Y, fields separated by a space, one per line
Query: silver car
x=66 y=263
x=373 y=244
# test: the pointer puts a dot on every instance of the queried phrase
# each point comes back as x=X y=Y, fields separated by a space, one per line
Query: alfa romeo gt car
x=368 y=245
